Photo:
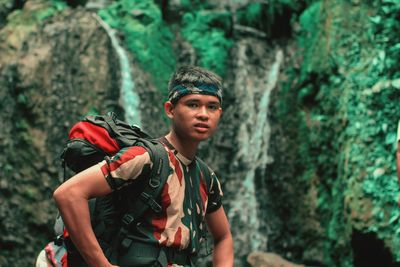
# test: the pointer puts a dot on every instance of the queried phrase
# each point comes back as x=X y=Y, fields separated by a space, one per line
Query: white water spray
x=253 y=153
x=129 y=99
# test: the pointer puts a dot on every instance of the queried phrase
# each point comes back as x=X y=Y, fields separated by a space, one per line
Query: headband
x=183 y=89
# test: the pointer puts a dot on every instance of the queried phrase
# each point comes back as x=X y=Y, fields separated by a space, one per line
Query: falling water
x=129 y=99
x=254 y=134
x=259 y=152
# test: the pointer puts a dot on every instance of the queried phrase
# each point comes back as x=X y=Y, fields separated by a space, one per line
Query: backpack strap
x=157 y=178
x=110 y=120
x=207 y=174
x=149 y=195
x=124 y=133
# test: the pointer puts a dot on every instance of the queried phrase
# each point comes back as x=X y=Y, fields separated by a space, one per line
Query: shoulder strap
x=157 y=178
x=207 y=174
x=148 y=197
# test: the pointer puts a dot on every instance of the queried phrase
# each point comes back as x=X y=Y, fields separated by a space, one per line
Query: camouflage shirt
x=185 y=197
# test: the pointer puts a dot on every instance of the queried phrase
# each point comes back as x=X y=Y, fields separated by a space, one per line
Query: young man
x=194 y=108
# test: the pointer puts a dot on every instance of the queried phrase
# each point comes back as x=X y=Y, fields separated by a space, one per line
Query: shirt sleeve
x=126 y=166
x=215 y=194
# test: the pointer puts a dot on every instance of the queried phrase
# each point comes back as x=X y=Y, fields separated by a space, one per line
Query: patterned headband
x=183 y=89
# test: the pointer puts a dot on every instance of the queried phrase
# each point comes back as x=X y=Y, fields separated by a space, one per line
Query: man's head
x=194 y=103
x=193 y=80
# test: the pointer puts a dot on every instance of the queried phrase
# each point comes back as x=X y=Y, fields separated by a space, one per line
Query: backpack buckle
x=59 y=240
x=127 y=219
x=154 y=183
x=151 y=202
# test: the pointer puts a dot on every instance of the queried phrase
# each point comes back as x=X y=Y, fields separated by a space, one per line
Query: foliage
x=188 y=5
x=250 y=15
x=345 y=118
x=41 y=12
x=275 y=18
x=385 y=32
x=207 y=32
x=93 y=111
x=309 y=38
x=146 y=35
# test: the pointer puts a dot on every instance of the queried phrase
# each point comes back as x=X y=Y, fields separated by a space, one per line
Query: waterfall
x=253 y=89
x=129 y=99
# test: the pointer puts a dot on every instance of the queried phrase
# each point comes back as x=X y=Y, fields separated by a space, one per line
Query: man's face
x=195 y=116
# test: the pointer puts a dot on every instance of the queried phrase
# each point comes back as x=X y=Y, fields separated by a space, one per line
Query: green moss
x=345 y=120
x=366 y=163
x=31 y=193
x=22 y=100
x=189 y=5
x=207 y=32
x=385 y=29
x=8 y=170
x=37 y=14
x=93 y=111
x=146 y=36
x=309 y=38
x=250 y=15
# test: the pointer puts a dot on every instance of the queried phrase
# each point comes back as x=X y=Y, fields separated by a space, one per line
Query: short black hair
x=192 y=74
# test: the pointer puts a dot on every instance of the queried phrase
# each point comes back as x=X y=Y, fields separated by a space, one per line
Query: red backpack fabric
x=92 y=140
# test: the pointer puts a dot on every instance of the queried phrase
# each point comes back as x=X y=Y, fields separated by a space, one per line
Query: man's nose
x=202 y=112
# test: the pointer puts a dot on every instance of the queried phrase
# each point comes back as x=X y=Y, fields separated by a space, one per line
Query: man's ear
x=169 y=109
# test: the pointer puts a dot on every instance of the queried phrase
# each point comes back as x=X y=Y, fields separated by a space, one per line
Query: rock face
x=333 y=179
x=50 y=75
x=6 y=7
x=263 y=259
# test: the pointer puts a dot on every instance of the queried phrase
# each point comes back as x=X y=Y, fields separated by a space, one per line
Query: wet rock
x=44 y=68
x=265 y=259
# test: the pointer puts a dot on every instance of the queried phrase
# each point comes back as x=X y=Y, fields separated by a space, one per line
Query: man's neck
x=186 y=148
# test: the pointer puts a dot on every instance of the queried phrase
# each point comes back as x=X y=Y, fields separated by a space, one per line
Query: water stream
x=254 y=135
x=129 y=99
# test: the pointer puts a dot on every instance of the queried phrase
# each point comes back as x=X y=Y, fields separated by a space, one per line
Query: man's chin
x=200 y=137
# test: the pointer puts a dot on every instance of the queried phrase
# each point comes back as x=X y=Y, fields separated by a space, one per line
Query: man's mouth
x=201 y=127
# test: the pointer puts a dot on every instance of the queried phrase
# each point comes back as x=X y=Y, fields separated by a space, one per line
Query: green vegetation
x=207 y=32
x=250 y=15
x=93 y=111
x=346 y=118
x=41 y=11
x=146 y=36
x=385 y=32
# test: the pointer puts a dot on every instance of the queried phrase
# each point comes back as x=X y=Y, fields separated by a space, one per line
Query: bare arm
x=398 y=165
x=398 y=161
x=218 y=225
x=398 y=155
x=72 y=200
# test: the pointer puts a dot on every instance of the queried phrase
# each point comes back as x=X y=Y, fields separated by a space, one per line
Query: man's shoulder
x=148 y=149
x=133 y=154
x=134 y=150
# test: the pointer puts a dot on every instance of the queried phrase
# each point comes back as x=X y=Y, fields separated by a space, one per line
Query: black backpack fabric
x=94 y=139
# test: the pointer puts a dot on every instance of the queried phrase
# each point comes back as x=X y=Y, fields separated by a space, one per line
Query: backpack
x=92 y=140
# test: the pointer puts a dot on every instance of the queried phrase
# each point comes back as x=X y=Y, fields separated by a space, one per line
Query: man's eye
x=213 y=107
x=192 y=105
